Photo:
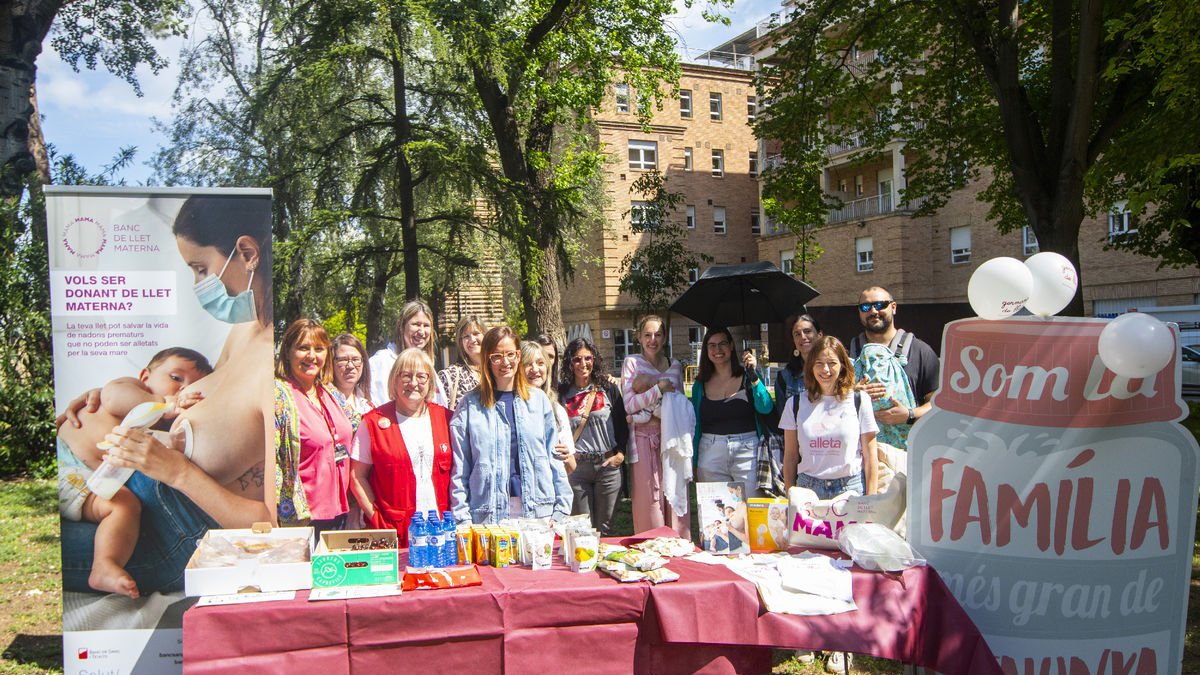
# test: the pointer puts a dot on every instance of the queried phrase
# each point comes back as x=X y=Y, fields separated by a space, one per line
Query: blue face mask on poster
x=216 y=300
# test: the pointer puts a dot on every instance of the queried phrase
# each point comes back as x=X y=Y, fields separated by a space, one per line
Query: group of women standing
x=509 y=431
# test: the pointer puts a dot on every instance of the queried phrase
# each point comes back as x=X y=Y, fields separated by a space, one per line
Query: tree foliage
x=1045 y=96
x=538 y=69
x=656 y=272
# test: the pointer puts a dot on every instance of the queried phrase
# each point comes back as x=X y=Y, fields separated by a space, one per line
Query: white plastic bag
x=876 y=547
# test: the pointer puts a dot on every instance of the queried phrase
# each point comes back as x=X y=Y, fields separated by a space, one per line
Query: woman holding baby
x=645 y=379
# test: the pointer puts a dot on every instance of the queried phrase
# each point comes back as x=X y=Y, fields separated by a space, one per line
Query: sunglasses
x=583 y=359
x=878 y=306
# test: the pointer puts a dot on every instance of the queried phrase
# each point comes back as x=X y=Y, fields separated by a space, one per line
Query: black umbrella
x=743 y=294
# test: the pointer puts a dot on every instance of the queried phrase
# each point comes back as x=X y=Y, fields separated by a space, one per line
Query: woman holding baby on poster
x=209 y=470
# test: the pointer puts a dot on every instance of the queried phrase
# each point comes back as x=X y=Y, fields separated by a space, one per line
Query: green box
x=356 y=558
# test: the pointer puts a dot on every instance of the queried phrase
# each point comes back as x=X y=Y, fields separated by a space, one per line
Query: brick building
x=874 y=241
x=703 y=143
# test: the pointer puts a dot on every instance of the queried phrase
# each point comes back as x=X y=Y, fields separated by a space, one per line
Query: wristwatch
x=912 y=417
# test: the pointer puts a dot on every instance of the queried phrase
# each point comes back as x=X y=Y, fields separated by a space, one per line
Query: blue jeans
x=727 y=459
x=171 y=526
x=832 y=487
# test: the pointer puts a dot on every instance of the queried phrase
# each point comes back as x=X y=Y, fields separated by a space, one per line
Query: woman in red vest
x=401 y=458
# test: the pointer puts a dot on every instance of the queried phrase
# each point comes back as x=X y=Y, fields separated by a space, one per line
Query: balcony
x=868 y=207
x=850 y=145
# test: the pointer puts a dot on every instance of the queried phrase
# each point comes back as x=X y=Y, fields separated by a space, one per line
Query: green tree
x=656 y=272
x=115 y=33
x=340 y=107
x=538 y=68
x=1040 y=95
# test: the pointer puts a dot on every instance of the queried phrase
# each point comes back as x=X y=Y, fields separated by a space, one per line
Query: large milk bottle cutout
x=1057 y=499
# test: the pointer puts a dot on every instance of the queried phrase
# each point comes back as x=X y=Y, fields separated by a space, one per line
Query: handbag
x=768 y=465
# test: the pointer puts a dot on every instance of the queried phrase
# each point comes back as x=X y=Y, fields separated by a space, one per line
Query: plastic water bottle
x=449 y=540
x=434 y=540
x=418 y=542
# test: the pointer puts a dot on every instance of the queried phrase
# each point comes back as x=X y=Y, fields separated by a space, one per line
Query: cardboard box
x=767 y=524
x=250 y=574
x=356 y=558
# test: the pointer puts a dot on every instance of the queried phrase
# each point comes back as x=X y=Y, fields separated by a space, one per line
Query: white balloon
x=1136 y=345
x=999 y=288
x=1054 y=283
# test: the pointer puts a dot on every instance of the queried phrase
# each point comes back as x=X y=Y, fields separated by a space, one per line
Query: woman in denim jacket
x=503 y=437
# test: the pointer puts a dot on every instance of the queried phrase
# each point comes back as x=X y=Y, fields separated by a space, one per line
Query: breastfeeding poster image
x=162 y=322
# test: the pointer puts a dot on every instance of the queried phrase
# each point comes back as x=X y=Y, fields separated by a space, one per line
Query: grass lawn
x=31 y=598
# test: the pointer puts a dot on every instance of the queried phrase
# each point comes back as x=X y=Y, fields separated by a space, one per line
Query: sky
x=92 y=114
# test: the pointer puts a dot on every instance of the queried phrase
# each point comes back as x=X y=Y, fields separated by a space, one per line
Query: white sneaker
x=839 y=662
x=805 y=657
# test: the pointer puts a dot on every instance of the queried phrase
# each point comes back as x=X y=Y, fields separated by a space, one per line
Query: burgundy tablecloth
x=524 y=621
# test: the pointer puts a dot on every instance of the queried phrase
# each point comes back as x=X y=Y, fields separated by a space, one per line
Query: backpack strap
x=902 y=343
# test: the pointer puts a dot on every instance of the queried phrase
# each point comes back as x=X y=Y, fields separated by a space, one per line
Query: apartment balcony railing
x=850 y=145
x=869 y=207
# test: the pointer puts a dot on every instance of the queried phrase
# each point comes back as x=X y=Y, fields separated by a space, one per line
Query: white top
x=417 y=433
x=829 y=435
x=563 y=425
x=381 y=366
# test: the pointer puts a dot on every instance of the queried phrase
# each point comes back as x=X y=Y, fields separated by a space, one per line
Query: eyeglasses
x=583 y=359
x=718 y=346
x=419 y=378
x=878 y=306
x=348 y=361
x=499 y=357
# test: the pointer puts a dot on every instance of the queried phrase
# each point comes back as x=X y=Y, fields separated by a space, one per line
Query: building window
x=693 y=275
x=751 y=108
x=842 y=186
x=695 y=335
x=714 y=105
x=755 y=222
x=719 y=219
x=1029 y=240
x=691 y=217
x=960 y=245
x=622 y=98
x=718 y=161
x=685 y=103
x=623 y=343
x=1120 y=222
x=858 y=186
x=638 y=214
x=786 y=259
x=643 y=155
x=687 y=159
x=864 y=253
x=753 y=164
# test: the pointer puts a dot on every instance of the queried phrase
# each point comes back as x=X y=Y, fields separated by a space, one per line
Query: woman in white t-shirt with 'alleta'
x=829 y=443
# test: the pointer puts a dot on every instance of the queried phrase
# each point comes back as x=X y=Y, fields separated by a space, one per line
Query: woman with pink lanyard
x=312 y=433
x=651 y=508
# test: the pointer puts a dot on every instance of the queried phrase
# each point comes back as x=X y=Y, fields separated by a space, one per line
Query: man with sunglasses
x=877 y=312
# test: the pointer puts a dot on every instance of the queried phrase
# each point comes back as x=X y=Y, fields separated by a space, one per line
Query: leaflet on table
x=243 y=598
x=352 y=592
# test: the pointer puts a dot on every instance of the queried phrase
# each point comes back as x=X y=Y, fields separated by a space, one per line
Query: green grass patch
x=30 y=578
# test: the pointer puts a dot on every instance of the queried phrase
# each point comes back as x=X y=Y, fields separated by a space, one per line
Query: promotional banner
x=162 y=322
x=1056 y=498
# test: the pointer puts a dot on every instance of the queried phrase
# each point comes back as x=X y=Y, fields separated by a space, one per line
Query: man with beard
x=877 y=312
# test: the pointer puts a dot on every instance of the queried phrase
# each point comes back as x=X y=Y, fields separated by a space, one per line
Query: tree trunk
x=23 y=26
x=37 y=140
x=402 y=126
x=377 y=333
